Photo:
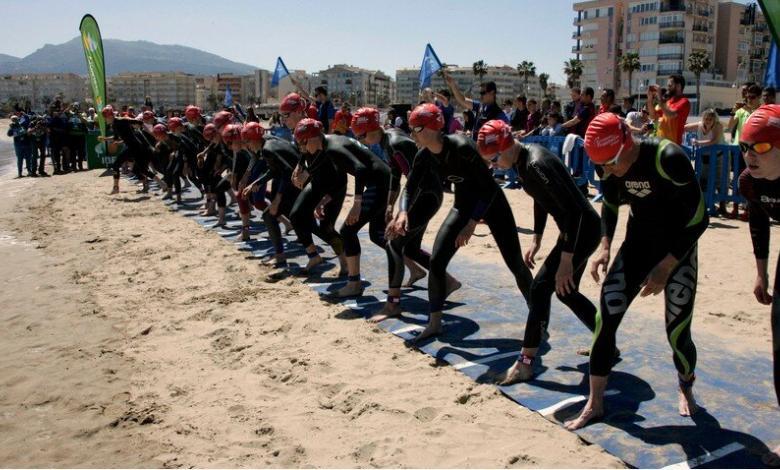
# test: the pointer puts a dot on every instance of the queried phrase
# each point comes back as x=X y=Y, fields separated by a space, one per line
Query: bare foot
x=245 y=234
x=687 y=403
x=415 y=274
x=313 y=262
x=433 y=328
x=588 y=414
x=390 y=310
x=178 y=199
x=277 y=275
x=352 y=289
x=452 y=285
x=519 y=372
x=772 y=458
x=115 y=190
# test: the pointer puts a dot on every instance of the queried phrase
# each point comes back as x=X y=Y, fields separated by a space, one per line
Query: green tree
x=698 y=62
x=629 y=63
x=526 y=70
x=543 y=83
x=573 y=70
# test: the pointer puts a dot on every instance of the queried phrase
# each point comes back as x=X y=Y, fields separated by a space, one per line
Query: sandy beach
x=132 y=337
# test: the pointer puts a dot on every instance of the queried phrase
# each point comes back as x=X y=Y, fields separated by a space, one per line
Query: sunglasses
x=759 y=147
x=418 y=129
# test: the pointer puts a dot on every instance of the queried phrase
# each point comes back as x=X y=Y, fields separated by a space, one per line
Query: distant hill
x=123 y=56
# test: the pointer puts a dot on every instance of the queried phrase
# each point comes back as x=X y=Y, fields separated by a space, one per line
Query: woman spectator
x=468 y=121
x=709 y=131
x=553 y=127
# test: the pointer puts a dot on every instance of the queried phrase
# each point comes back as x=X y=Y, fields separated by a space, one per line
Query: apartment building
x=166 y=89
x=356 y=85
x=743 y=41
x=41 y=88
x=597 y=36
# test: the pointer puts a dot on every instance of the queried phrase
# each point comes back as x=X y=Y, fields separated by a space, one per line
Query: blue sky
x=312 y=34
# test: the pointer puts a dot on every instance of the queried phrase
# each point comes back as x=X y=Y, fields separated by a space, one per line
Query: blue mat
x=484 y=324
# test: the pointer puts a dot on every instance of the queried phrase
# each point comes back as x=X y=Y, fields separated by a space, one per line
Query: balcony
x=576 y=50
x=672 y=6
x=576 y=35
x=671 y=25
x=672 y=40
x=662 y=72
x=670 y=56
x=576 y=21
x=701 y=28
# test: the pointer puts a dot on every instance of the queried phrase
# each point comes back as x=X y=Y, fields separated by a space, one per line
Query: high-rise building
x=743 y=40
x=356 y=85
x=40 y=89
x=166 y=89
x=509 y=84
x=597 y=29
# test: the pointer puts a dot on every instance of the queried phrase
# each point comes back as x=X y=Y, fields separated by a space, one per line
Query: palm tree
x=480 y=69
x=629 y=63
x=543 y=78
x=573 y=70
x=526 y=69
x=698 y=62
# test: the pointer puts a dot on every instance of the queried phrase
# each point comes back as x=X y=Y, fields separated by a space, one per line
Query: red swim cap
x=222 y=118
x=365 y=120
x=427 y=115
x=252 y=131
x=147 y=115
x=494 y=136
x=174 y=123
x=192 y=113
x=159 y=129
x=604 y=137
x=108 y=111
x=307 y=128
x=231 y=133
x=209 y=131
x=292 y=103
x=763 y=126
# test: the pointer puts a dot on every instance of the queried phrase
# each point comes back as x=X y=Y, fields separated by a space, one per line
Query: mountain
x=123 y=56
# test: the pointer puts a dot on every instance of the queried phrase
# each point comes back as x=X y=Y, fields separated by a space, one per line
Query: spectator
x=737 y=121
x=508 y=108
x=276 y=120
x=38 y=133
x=586 y=111
x=91 y=119
x=251 y=116
x=628 y=106
x=148 y=103
x=616 y=109
x=447 y=110
x=768 y=96
x=709 y=131
x=77 y=139
x=673 y=109
x=468 y=121
x=57 y=125
x=607 y=100
x=534 y=119
x=485 y=109
x=639 y=123
x=573 y=106
x=556 y=108
x=553 y=127
x=546 y=105
x=22 y=146
x=519 y=116
x=325 y=109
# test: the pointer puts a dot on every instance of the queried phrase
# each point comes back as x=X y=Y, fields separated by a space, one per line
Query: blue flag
x=772 y=75
x=430 y=65
x=279 y=72
x=228 y=97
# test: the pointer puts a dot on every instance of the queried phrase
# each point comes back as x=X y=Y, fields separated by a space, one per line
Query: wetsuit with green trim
x=346 y=155
x=547 y=180
x=477 y=197
x=763 y=198
x=667 y=217
x=280 y=158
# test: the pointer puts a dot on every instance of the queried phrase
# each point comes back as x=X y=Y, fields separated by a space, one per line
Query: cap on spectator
x=365 y=120
x=174 y=123
x=252 y=131
x=495 y=136
x=159 y=129
x=427 y=115
x=763 y=126
x=192 y=113
x=604 y=138
x=231 y=133
x=307 y=128
x=209 y=131
x=292 y=103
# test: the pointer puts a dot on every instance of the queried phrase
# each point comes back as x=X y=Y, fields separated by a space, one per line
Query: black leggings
x=633 y=263
x=501 y=221
x=140 y=165
x=776 y=329
x=543 y=285
x=289 y=196
x=372 y=212
x=425 y=207
x=220 y=189
x=302 y=218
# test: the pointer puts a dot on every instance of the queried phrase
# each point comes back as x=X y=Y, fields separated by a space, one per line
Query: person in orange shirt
x=672 y=110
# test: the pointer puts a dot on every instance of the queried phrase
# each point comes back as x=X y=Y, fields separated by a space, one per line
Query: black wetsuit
x=279 y=158
x=137 y=149
x=189 y=152
x=477 y=197
x=763 y=198
x=170 y=160
x=214 y=164
x=421 y=199
x=547 y=180
x=667 y=217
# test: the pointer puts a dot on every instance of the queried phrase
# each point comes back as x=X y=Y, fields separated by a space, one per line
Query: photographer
x=22 y=146
x=672 y=110
x=77 y=139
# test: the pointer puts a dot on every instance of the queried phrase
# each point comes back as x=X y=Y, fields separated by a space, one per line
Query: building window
x=611 y=11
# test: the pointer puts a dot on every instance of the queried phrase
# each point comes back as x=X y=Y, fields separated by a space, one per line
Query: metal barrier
x=719 y=184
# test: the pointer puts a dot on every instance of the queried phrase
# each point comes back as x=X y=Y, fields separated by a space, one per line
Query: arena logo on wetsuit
x=639 y=188
x=769 y=200
x=680 y=290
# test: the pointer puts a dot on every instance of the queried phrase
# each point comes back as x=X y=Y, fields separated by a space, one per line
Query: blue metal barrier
x=579 y=164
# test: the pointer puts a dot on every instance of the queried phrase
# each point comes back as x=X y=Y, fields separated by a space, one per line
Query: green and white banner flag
x=96 y=65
